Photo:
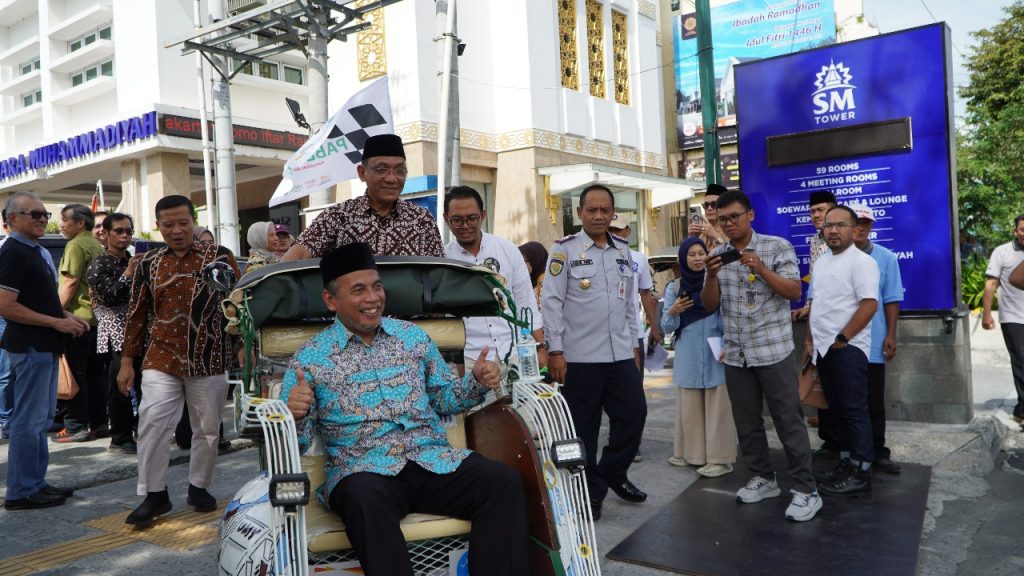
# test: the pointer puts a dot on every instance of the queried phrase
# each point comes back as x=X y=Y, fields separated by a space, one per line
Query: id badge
x=622 y=289
x=750 y=293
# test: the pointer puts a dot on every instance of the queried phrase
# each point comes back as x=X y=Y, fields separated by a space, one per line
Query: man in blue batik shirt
x=373 y=388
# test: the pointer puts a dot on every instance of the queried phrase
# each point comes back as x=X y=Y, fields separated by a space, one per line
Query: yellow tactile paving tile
x=61 y=554
x=182 y=531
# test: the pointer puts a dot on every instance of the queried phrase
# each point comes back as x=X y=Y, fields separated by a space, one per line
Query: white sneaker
x=758 y=489
x=677 y=461
x=803 y=506
x=714 y=470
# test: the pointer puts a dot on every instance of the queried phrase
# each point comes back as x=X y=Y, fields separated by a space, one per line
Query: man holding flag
x=357 y=141
x=391 y=226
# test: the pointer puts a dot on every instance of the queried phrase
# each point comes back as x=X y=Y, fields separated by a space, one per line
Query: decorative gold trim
x=595 y=47
x=648 y=9
x=427 y=132
x=658 y=38
x=370 y=52
x=620 y=56
x=567 y=44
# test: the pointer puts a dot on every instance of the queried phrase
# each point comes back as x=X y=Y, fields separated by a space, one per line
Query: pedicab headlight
x=289 y=490
x=568 y=454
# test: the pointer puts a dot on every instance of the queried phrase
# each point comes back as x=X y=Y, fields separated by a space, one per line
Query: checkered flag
x=332 y=154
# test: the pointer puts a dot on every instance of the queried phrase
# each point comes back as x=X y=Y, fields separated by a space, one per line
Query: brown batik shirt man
x=406 y=230
x=179 y=313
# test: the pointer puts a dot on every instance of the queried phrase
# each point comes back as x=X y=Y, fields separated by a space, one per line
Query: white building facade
x=89 y=93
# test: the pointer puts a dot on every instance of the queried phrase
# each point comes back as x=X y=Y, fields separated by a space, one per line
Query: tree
x=990 y=149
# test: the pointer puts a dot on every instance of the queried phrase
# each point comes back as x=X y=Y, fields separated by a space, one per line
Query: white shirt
x=504 y=258
x=840 y=282
x=1011 y=300
x=642 y=273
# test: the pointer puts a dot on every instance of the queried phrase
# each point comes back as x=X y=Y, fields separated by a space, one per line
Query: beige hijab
x=257 y=235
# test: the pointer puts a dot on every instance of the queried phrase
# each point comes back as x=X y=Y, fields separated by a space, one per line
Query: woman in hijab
x=203 y=234
x=536 y=257
x=268 y=242
x=705 y=433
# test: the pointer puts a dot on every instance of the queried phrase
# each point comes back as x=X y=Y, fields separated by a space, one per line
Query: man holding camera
x=754 y=277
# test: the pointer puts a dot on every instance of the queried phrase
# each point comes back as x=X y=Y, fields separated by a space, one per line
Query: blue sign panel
x=894 y=77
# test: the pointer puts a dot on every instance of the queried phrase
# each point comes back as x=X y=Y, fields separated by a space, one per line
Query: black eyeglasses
x=36 y=214
x=458 y=222
x=711 y=204
x=733 y=218
x=123 y=231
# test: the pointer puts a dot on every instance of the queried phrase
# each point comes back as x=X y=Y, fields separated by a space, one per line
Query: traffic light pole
x=708 y=97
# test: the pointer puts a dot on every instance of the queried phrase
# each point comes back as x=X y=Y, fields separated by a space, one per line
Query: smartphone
x=141 y=246
x=695 y=217
x=729 y=256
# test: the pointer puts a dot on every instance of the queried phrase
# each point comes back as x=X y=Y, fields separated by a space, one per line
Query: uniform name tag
x=623 y=262
x=586 y=262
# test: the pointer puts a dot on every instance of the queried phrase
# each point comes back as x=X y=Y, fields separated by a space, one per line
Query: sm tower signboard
x=870 y=121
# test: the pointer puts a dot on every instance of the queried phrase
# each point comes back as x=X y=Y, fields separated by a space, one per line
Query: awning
x=573 y=178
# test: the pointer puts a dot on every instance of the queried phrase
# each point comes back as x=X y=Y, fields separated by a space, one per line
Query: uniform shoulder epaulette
x=619 y=238
x=565 y=239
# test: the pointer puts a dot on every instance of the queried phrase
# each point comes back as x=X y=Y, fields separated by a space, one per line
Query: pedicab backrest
x=415 y=286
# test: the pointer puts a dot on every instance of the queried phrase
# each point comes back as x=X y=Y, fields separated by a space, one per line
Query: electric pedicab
x=272 y=527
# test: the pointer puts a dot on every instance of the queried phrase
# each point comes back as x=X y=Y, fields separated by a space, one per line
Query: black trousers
x=828 y=423
x=88 y=409
x=487 y=493
x=1013 y=336
x=617 y=389
x=123 y=420
x=844 y=379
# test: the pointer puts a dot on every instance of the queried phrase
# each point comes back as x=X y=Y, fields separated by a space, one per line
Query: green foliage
x=990 y=149
x=52 y=227
x=972 y=279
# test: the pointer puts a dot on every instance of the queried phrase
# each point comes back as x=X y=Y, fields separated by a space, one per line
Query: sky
x=962 y=18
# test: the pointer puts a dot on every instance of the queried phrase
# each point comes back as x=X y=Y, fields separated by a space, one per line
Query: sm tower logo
x=833 y=99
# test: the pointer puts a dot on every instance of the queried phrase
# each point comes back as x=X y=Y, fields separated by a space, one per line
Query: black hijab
x=537 y=256
x=691 y=283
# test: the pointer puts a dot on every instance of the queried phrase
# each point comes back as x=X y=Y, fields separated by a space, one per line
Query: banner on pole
x=332 y=154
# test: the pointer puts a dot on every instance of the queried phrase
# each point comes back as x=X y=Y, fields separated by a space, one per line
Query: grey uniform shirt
x=587 y=300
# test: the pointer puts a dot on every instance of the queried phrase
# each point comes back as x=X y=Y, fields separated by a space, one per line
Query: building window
x=82 y=42
x=269 y=70
x=567 y=44
x=595 y=47
x=370 y=45
x=29 y=66
x=31 y=98
x=93 y=72
x=294 y=75
x=620 y=56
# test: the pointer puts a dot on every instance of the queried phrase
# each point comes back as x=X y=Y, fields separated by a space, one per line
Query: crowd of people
x=144 y=338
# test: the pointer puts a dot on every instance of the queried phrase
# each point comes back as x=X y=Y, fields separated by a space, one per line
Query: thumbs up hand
x=486 y=372
x=301 y=397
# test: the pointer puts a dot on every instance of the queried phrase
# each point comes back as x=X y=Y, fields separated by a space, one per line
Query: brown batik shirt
x=179 y=312
x=407 y=230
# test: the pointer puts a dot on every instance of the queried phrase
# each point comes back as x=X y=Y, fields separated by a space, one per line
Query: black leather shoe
x=155 y=504
x=595 y=510
x=840 y=470
x=825 y=453
x=887 y=466
x=200 y=499
x=37 y=500
x=854 y=484
x=54 y=491
x=628 y=491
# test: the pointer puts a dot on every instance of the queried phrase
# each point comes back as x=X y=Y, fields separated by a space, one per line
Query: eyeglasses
x=458 y=222
x=123 y=231
x=733 y=218
x=836 y=225
x=36 y=214
x=382 y=172
x=711 y=204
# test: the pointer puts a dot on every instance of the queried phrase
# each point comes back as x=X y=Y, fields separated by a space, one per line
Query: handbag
x=67 y=386
x=811 y=393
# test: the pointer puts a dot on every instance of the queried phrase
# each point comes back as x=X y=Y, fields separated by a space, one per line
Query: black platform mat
x=706 y=532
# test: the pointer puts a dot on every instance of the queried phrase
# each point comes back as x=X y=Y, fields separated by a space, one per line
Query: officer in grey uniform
x=589 y=323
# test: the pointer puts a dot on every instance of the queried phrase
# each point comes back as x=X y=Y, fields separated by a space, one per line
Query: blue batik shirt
x=376 y=407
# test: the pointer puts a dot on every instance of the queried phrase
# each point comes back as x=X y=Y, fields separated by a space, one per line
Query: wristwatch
x=543 y=345
x=841 y=339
